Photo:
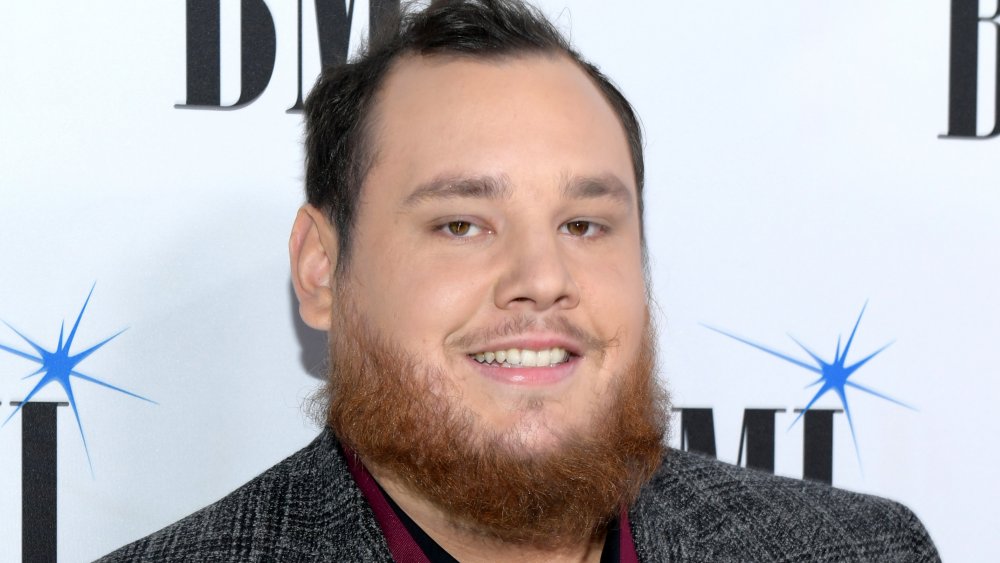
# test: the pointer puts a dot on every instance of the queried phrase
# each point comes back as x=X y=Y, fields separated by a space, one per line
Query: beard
x=406 y=419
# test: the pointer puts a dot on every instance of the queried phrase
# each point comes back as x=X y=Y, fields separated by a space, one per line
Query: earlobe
x=312 y=248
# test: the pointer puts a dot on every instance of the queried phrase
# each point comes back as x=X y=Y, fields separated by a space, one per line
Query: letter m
x=756 y=435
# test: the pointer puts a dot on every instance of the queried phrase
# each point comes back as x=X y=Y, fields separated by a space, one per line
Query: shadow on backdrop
x=313 y=345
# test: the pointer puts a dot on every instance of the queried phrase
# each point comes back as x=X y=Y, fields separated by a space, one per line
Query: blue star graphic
x=834 y=376
x=59 y=366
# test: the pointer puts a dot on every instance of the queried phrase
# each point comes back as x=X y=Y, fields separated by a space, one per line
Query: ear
x=313 y=252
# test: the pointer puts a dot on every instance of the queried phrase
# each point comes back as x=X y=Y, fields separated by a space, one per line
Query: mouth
x=523 y=357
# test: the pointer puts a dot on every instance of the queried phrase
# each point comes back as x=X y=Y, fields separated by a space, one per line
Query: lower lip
x=536 y=376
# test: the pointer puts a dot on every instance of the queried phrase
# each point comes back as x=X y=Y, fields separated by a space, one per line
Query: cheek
x=419 y=299
x=613 y=293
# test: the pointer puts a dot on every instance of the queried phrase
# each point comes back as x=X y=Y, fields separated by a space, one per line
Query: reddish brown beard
x=392 y=413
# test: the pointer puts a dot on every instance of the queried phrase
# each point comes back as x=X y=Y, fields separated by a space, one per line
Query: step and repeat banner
x=822 y=211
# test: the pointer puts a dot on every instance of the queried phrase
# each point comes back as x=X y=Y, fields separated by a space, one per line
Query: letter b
x=257 y=48
x=963 y=72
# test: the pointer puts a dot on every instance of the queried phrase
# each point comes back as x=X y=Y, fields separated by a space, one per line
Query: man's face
x=498 y=239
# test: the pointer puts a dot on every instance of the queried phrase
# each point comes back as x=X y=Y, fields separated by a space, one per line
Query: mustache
x=521 y=324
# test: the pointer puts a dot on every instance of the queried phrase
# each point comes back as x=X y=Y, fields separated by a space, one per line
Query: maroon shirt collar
x=402 y=546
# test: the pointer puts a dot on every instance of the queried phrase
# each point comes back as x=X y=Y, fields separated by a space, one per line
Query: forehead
x=526 y=118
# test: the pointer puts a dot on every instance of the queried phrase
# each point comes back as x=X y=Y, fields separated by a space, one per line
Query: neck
x=467 y=545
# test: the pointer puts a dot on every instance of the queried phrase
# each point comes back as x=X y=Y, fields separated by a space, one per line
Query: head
x=342 y=107
x=473 y=243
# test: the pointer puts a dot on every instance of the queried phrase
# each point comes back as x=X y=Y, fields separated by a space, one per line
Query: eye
x=582 y=229
x=460 y=229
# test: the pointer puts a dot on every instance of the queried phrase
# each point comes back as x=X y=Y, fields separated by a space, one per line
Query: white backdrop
x=794 y=173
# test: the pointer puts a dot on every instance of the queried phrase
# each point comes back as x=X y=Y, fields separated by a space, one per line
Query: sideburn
x=390 y=410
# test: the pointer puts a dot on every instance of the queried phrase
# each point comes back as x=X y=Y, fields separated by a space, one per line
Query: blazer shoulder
x=305 y=508
x=700 y=509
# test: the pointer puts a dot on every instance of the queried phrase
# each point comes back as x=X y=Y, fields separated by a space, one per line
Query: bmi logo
x=258 y=42
x=757 y=434
x=55 y=365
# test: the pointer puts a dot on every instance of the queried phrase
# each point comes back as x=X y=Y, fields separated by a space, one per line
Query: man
x=473 y=244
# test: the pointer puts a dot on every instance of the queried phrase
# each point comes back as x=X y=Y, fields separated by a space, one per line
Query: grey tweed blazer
x=307 y=508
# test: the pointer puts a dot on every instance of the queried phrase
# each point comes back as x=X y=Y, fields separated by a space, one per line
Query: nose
x=535 y=276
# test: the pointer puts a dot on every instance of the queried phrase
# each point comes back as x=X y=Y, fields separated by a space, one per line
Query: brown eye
x=578 y=228
x=459 y=228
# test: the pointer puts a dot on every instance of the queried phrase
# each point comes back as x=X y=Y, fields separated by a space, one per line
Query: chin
x=537 y=430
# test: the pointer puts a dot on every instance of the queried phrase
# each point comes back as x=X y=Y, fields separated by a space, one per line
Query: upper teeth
x=524 y=357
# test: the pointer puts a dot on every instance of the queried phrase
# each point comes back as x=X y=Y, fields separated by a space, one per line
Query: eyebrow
x=592 y=187
x=452 y=187
x=499 y=188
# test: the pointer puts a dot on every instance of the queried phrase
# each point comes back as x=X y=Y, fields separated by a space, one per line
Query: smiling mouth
x=523 y=357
